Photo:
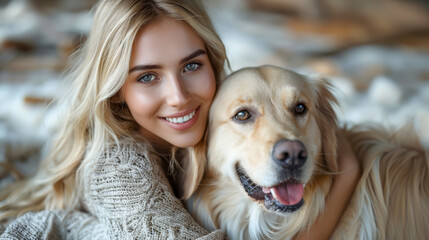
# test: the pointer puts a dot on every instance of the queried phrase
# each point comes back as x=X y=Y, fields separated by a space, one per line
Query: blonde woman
x=141 y=86
x=105 y=151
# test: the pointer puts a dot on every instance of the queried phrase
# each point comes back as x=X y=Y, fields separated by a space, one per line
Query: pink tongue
x=289 y=193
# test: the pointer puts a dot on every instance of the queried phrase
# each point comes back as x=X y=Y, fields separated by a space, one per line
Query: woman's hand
x=341 y=191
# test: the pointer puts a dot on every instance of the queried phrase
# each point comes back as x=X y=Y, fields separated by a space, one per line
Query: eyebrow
x=155 y=66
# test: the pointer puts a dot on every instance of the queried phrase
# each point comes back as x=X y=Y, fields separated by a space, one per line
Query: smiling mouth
x=287 y=196
x=182 y=119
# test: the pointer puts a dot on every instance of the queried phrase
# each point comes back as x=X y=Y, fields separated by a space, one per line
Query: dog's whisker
x=326 y=154
x=322 y=172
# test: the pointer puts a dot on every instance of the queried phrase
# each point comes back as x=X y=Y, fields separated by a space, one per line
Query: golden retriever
x=271 y=159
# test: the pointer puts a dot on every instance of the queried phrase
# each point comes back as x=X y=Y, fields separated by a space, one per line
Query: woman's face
x=170 y=84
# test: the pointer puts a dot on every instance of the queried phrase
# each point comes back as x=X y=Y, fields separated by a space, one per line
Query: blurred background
x=376 y=52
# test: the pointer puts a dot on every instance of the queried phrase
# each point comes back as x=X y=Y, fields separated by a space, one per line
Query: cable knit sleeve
x=53 y=225
x=130 y=194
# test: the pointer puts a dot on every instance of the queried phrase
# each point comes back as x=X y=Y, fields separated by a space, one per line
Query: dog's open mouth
x=285 y=197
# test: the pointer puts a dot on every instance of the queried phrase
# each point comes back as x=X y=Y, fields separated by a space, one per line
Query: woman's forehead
x=165 y=39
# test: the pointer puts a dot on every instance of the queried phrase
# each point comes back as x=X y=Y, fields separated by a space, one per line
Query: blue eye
x=147 y=78
x=191 y=67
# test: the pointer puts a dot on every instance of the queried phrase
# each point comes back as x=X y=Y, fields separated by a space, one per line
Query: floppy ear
x=327 y=120
x=194 y=166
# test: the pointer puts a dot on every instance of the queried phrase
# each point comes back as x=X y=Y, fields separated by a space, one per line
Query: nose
x=289 y=154
x=177 y=93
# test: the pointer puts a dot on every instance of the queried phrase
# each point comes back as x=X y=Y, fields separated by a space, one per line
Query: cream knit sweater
x=126 y=196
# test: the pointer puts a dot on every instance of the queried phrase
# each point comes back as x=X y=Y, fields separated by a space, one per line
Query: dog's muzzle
x=285 y=197
x=287 y=194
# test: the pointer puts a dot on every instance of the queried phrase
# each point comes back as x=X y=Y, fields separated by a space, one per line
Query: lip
x=182 y=126
x=181 y=114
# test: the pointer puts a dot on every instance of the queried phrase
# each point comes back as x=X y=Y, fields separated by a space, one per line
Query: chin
x=186 y=140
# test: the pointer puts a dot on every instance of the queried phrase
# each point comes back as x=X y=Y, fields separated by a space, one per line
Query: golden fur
x=391 y=200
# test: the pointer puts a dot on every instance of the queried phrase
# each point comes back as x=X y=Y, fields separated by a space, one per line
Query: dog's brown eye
x=242 y=115
x=300 y=109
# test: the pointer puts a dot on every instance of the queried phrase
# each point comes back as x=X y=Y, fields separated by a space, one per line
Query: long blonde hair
x=91 y=116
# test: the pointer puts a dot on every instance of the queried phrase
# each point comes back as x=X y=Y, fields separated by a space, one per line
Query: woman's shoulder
x=124 y=160
x=119 y=176
x=125 y=152
x=126 y=146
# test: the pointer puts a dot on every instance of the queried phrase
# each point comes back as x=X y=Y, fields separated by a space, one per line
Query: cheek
x=204 y=86
x=313 y=137
x=140 y=103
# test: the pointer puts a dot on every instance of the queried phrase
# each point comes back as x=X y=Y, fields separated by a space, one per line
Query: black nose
x=289 y=154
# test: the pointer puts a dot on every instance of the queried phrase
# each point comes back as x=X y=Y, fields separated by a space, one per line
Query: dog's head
x=270 y=132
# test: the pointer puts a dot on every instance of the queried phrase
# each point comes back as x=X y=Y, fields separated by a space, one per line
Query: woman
x=140 y=88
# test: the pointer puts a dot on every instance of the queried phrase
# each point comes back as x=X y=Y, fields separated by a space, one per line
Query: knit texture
x=126 y=195
x=55 y=224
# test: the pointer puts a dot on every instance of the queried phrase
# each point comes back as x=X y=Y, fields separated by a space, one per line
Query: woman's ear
x=327 y=121
x=193 y=168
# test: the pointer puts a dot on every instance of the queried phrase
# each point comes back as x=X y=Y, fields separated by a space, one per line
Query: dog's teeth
x=273 y=193
x=303 y=185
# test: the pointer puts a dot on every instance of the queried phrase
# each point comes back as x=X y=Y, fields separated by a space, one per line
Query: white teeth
x=182 y=119
x=273 y=193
